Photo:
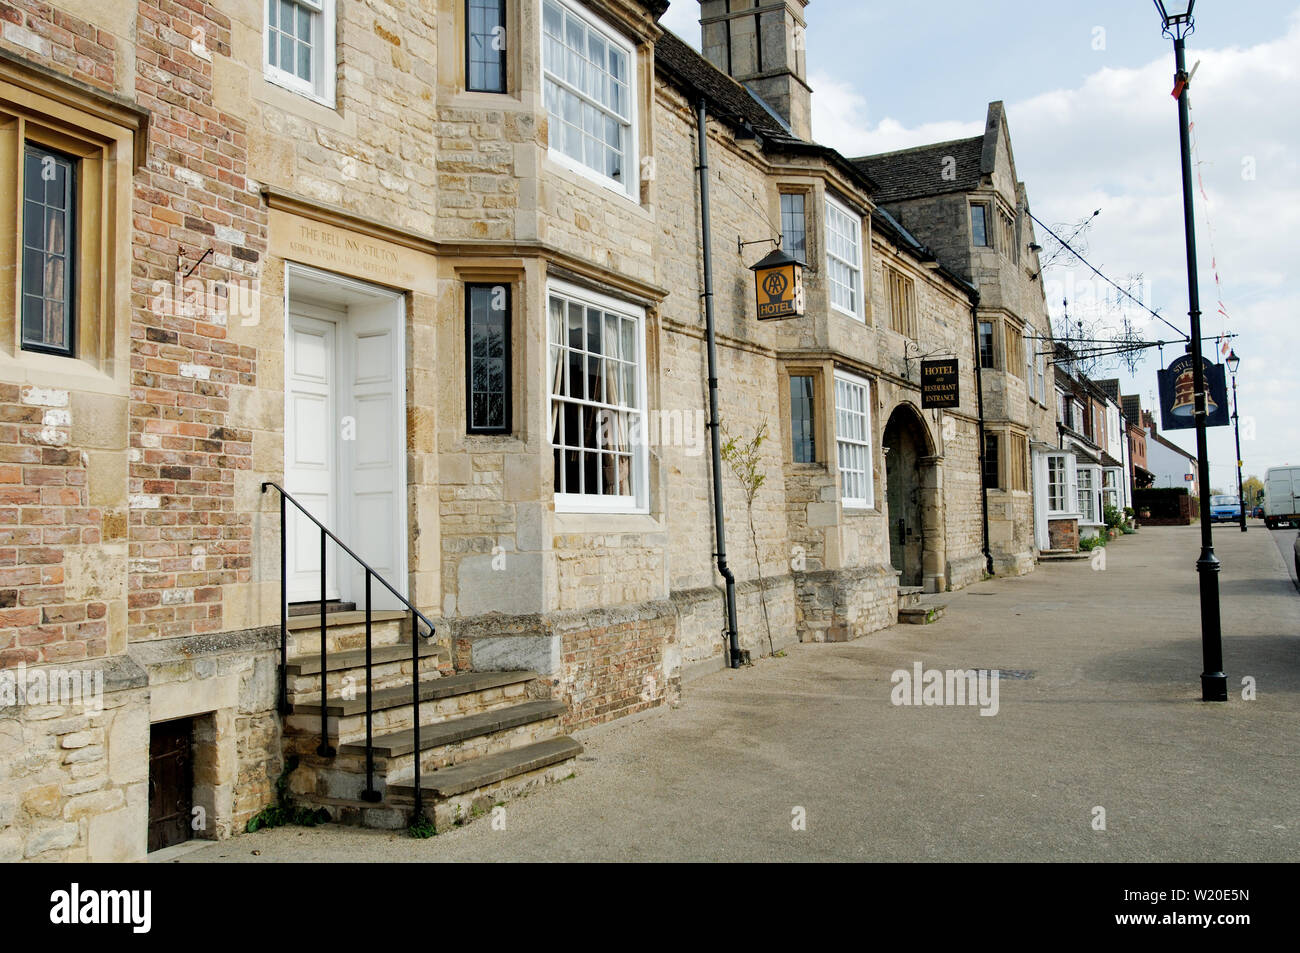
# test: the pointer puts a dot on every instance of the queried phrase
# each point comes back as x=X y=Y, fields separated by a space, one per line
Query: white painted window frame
x=835 y=207
x=852 y=380
x=324 y=53
x=630 y=186
x=638 y=503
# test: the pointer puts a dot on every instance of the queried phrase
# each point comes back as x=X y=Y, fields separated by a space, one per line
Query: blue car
x=1224 y=508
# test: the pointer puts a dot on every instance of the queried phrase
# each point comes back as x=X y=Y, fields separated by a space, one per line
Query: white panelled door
x=310 y=461
x=374 y=460
x=345 y=436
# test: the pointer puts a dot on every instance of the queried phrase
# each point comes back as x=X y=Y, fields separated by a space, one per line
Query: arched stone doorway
x=914 y=492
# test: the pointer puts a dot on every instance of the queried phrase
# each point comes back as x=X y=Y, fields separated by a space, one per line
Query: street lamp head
x=1233 y=362
x=1176 y=17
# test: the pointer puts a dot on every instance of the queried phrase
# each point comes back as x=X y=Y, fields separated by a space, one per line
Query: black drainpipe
x=719 y=529
x=979 y=396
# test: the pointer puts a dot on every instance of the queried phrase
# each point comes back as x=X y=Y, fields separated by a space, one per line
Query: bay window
x=596 y=368
x=853 y=440
x=1058 y=482
x=844 y=258
x=1088 y=495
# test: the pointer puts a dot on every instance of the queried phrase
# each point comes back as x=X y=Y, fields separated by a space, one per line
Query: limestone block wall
x=74 y=769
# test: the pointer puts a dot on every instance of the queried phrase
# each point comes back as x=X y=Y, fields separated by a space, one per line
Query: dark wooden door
x=171 y=782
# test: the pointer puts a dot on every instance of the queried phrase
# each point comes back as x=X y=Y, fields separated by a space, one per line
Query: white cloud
x=841 y=118
x=1112 y=143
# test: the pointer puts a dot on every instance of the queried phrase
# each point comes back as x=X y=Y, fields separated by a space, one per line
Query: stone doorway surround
x=914 y=481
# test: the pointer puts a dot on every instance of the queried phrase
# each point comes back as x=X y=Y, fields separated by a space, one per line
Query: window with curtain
x=485 y=52
x=487 y=358
x=794 y=228
x=596 y=371
x=589 y=94
x=844 y=258
x=802 y=428
x=300 y=46
x=853 y=440
x=49 y=231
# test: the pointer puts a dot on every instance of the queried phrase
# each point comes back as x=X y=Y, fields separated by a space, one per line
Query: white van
x=1281 y=496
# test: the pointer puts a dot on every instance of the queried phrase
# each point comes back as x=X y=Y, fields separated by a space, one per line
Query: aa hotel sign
x=778 y=281
x=939 y=383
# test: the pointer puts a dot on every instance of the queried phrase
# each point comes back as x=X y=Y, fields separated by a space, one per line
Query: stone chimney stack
x=760 y=43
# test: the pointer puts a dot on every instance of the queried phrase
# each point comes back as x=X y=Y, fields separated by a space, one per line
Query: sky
x=1094 y=127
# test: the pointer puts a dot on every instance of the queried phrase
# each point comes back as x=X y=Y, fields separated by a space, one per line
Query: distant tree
x=1252 y=488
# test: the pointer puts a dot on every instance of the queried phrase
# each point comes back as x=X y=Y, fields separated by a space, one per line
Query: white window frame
x=1094 y=491
x=855 y=502
x=324 y=53
x=1064 y=483
x=1116 y=490
x=630 y=185
x=834 y=208
x=639 y=500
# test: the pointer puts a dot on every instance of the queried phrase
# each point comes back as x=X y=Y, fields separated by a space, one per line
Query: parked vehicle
x=1282 y=496
x=1225 y=508
x=1295 y=548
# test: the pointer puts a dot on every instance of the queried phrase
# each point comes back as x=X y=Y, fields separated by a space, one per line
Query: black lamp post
x=1176 y=16
x=1233 y=363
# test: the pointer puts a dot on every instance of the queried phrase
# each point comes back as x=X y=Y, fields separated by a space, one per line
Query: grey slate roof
x=917 y=172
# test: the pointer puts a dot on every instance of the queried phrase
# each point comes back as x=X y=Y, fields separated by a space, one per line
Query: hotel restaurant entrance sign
x=939 y=386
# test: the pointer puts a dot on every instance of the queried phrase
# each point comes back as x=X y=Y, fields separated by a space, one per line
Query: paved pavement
x=1104 y=713
x=1285 y=539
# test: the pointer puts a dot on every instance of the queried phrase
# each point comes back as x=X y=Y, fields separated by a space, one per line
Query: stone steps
x=345 y=631
x=908 y=596
x=391 y=666
x=484 y=736
x=441 y=698
x=922 y=614
x=1061 y=555
x=463 y=791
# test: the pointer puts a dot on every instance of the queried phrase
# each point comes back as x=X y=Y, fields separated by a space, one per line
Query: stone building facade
x=432 y=273
x=965 y=201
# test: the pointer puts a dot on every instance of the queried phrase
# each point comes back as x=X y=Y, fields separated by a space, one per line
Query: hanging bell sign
x=778 y=281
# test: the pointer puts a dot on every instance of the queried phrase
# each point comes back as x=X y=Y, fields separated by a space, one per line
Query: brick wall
x=186 y=539
x=45 y=514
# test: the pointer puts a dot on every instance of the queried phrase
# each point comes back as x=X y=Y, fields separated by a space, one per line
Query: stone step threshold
x=1063 y=555
x=398 y=743
x=356 y=658
x=431 y=689
x=922 y=615
x=480 y=772
x=307 y=623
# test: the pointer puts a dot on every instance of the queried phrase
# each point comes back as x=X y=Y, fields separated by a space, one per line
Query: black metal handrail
x=324 y=749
